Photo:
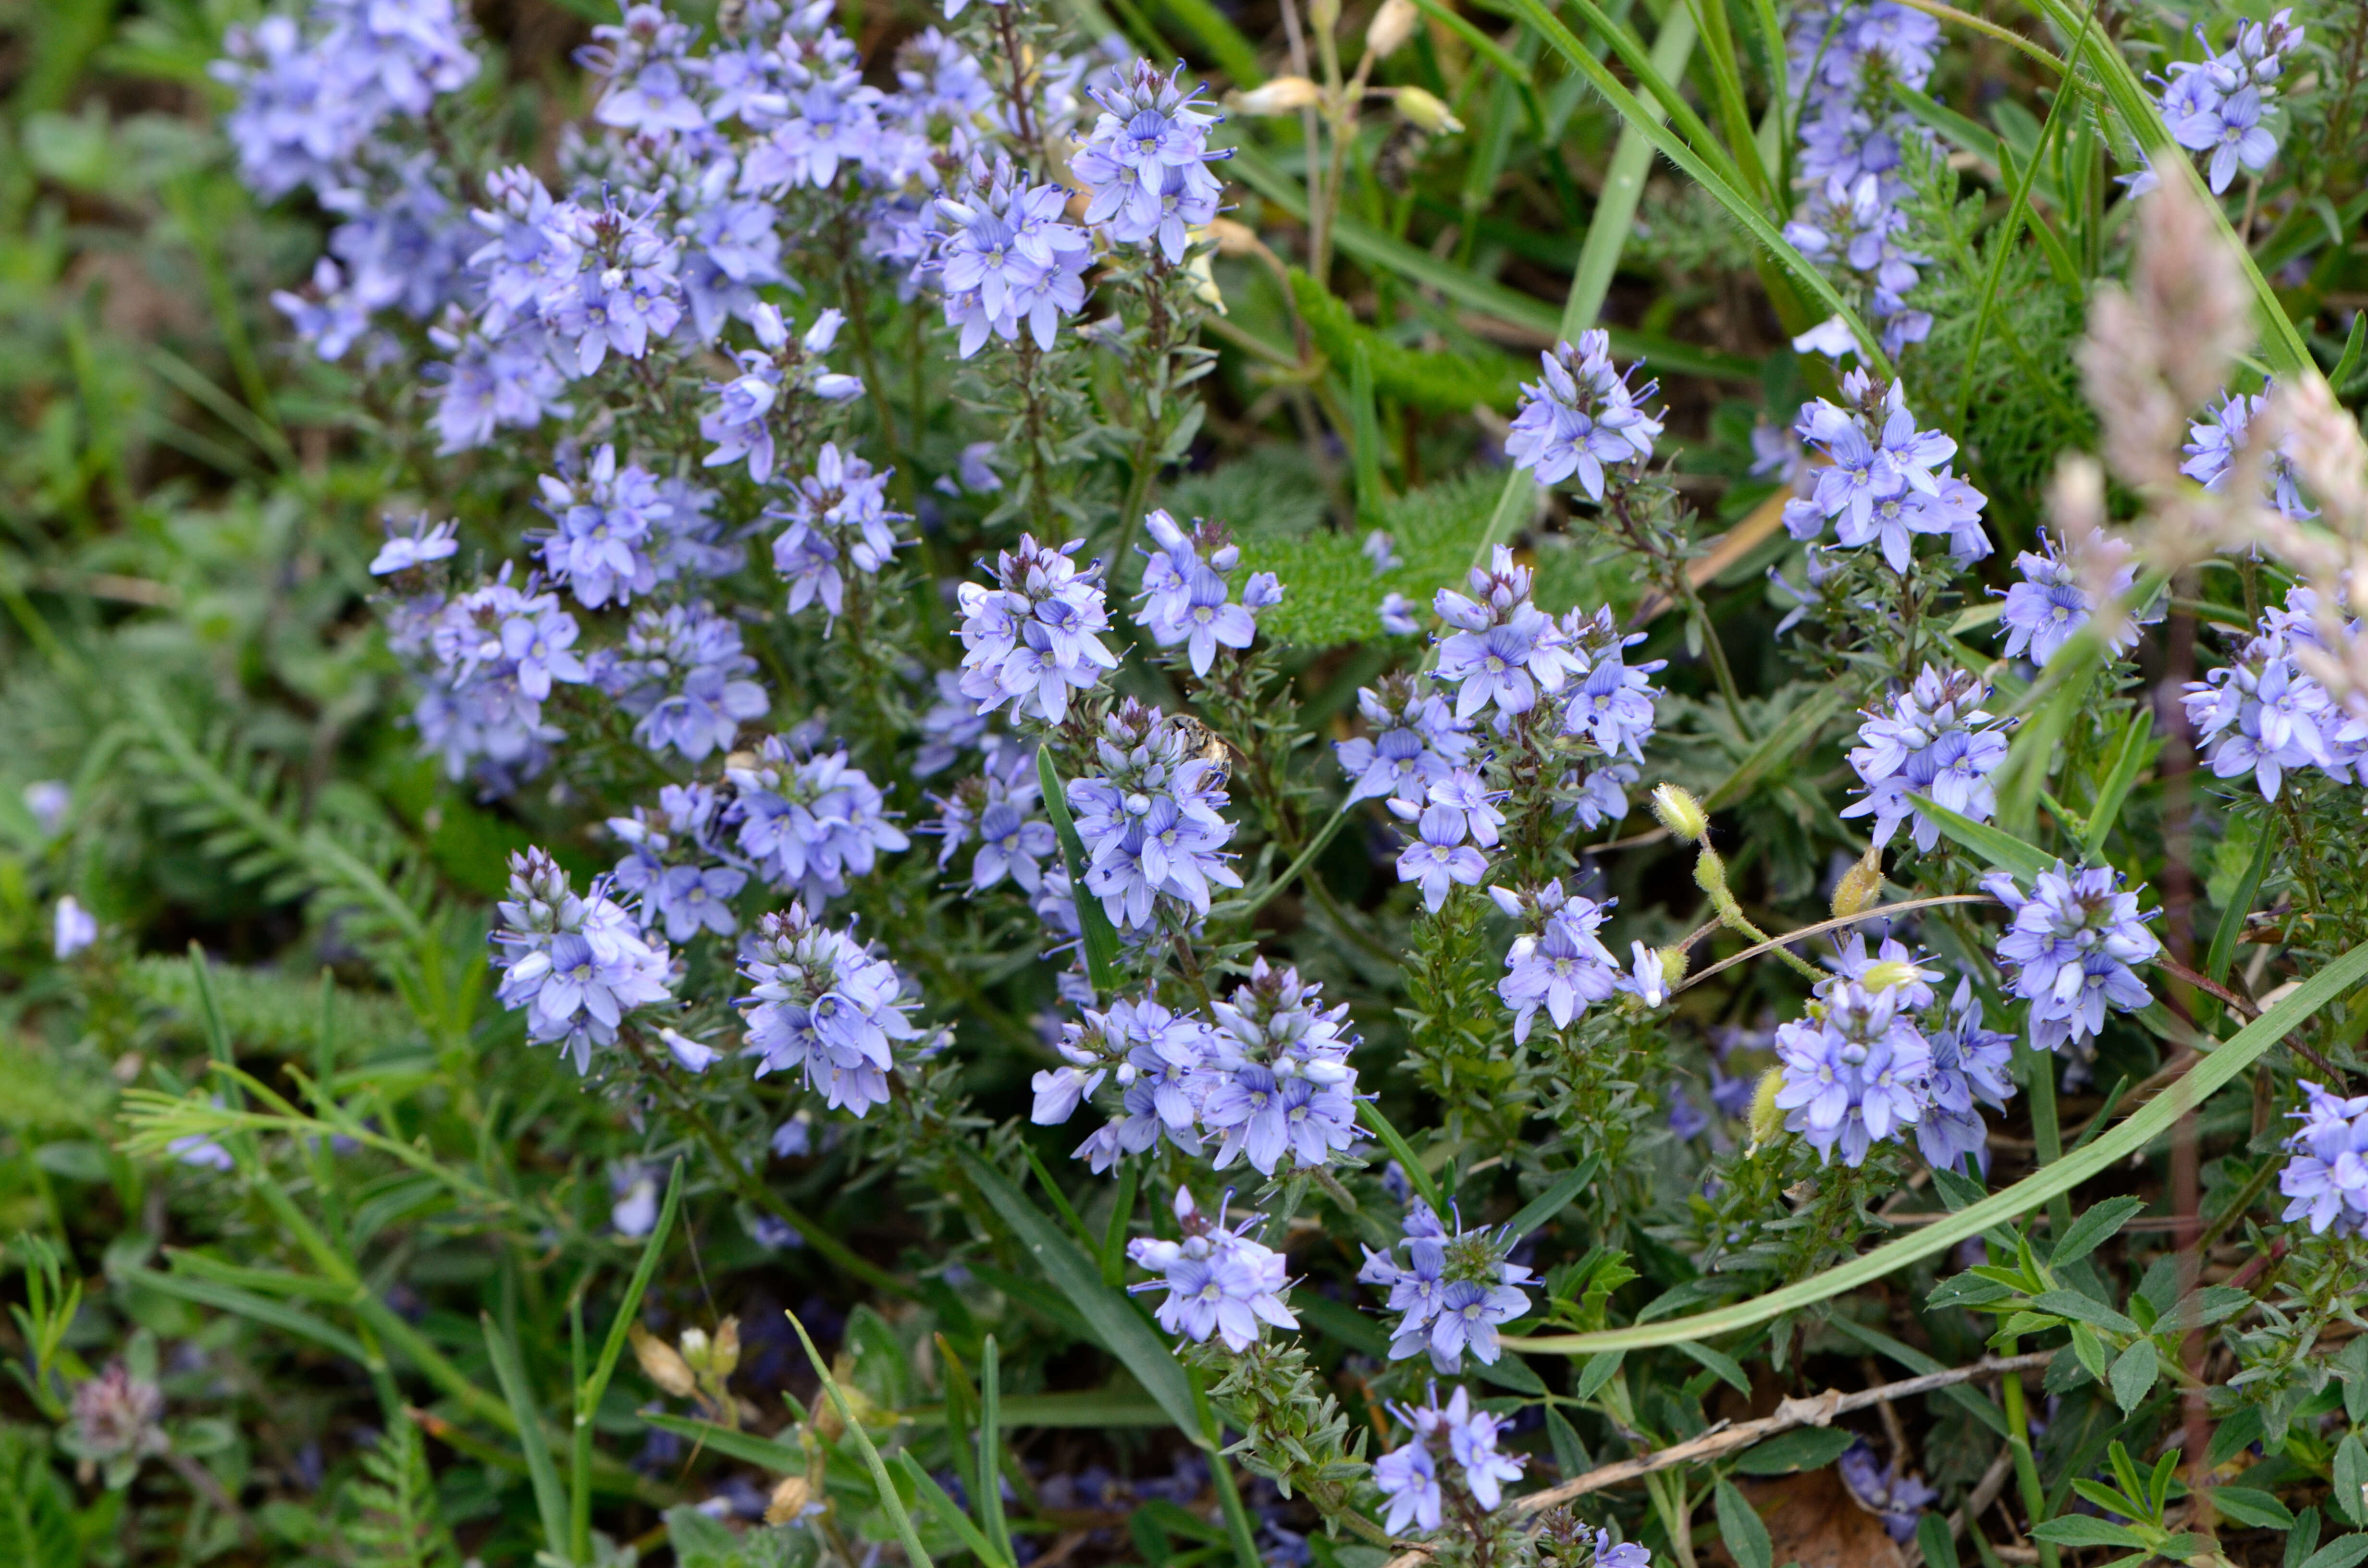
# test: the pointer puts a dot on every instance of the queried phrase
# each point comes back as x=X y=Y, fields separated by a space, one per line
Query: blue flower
x=1035 y=637
x=1187 y=596
x=1145 y=165
x=422 y=545
x=809 y=821
x=823 y=1005
x=577 y=965
x=71 y=928
x=838 y=513
x=1562 y=966
x=1969 y=1065
x=2325 y=1172
x=1006 y=259
x=2071 y=948
x=1218 y=1280
x=2214 y=441
x=1581 y=417
x=1408 y=1476
x=2044 y=611
x=1150 y=819
x=1279 y=1081
x=1505 y=650
x=1414 y=742
x=1888 y=481
x=681 y=674
x=1452 y=1293
x=1932 y=740
x=1854 y=1070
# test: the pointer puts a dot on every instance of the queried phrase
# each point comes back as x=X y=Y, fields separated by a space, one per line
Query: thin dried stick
x=1835 y=924
x=1817 y=1411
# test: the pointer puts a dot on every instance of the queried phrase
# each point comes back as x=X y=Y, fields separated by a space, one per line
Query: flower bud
x=1424 y=112
x=791 y=1502
x=723 y=1358
x=1390 y=28
x=1861 y=885
x=1767 y=1120
x=660 y=1362
x=1882 y=976
x=1324 y=16
x=1680 y=813
x=1281 y=95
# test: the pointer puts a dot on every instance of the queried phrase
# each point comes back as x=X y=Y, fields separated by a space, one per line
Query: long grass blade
x=2214 y=1072
x=550 y=1497
x=916 y=1555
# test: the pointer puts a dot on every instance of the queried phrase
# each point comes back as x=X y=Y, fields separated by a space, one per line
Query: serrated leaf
x=2093 y=1229
x=2072 y=1304
x=2078 y=1530
x=1805 y=1448
x=2351 y=1474
x=2134 y=1374
x=2343 y=1551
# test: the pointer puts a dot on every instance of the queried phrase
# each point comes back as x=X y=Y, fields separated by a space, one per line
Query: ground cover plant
x=1477 y=782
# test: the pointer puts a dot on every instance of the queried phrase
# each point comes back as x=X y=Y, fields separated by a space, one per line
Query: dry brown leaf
x=1813 y=1520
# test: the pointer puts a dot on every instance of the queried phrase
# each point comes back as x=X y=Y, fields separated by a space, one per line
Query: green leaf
x=2128 y=758
x=766 y=1453
x=933 y=1497
x=1549 y=1204
x=1438 y=382
x=1417 y=1174
x=2207 y=1077
x=1791 y=739
x=2350 y=1473
x=1511 y=1372
x=2239 y=905
x=550 y=1499
x=2089 y=1350
x=1113 y=1319
x=2343 y=1551
x=2079 y=1529
x=248 y=1304
x=2072 y=1304
x=1804 y=1448
x=990 y=1449
x=2093 y=1229
x=1723 y=1364
x=2248 y=1506
x=1740 y=1526
x=1598 y=1370
x=1932 y=1539
x=1084 y=1407
x=2134 y=1374
x=914 y=1555
x=1996 y=846
x=1100 y=938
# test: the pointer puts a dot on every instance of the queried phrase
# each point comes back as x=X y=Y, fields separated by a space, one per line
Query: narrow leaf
x=1100 y=939
x=2093 y=1229
x=933 y=1497
x=2127 y=760
x=914 y=1555
x=767 y=1453
x=1550 y=1203
x=1740 y=1526
x=2000 y=848
x=550 y=1499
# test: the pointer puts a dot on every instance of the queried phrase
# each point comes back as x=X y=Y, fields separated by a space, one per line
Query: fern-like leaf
x=397 y=1527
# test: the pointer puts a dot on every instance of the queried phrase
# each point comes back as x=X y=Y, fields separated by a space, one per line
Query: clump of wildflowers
x=2052 y=603
x=1581 y=417
x=1162 y=1062
x=683 y=677
x=1218 y=1280
x=774 y=378
x=809 y=820
x=1410 y=1475
x=1035 y=637
x=1006 y=260
x=1854 y=1069
x=1452 y=1292
x=1280 y=1083
x=606 y=520
x=1186 y=595
x=1932 y=738
x=1146 y=163
x=1562 y=966
x=2325 y=1172
x=577 y=965
x=595 y=279
x=1504 y=650
x=823 y=1005
x=1001 y=808
x=2071 y=948
x=2263 y=714
x=1413 y=741
x=2215 y=442
x=1150 y=819
x=496 y=651
x=837 y=513
x=1888 y=480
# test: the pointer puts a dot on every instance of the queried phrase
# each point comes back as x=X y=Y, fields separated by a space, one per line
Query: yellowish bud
x=723 y=1358
x=1885 y=975
x=1200 y=266
x=1767 y=1118
x=1279 y=94
x=1324 y=16
x=790 y=1500
x=660 y=1362
x=1424 y=112
x=1680 y=813
x=1861 y=885
x=1233 y=239
x=1390 y=28
x=1674 y=964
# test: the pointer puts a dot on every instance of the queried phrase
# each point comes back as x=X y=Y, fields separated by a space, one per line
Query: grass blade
x=2111 y=795
x=1099 y=938
x=589 y=1389
x=916 y=1555
x=2241 y=908
x=1996 y=846
x=990 y=1449
x=2209 y=1075
x=550 y=1500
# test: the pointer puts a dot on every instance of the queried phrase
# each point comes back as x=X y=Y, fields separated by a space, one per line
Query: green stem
x=2046 y=1131
x=1229 y=1496
x=1290 y=872
x=2026 y=1469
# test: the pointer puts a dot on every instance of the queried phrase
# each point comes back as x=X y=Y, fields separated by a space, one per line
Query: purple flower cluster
x=1896 y=1497
x=1035 y=637
x=686 y=897
x=311 y=96
x=826 y=1007
x=606 y=523
x=423 y=546
x=1969 y=1065
x=1002 y=808
x=838 y=513
x=1280 y=1083
x=1856 y=1068
x=1146 y=163
x=1888 y=481
x=1218 y=1280
x=2214 y=441
x=1160 y=1061
x=1504 y=651
x=1561 y=965
x=1453 y=1292
x=577 y=965
x=773 y=375
x=1152 y=820
x=593 y=279
x=1187 y=596
x=1847 y=57
x=2044 y=610
x=1413 y=741
x=494 y=654
x=404 y=244
x=2263 y=714
x=2220 y=105
x=682 y=677
x=1409 y=1474
x=2325 y=1172
x=1931 y=740
x=1458 y=807
x=2071 y=948
x=1581 y=417
x=807 y=821
x=1004 y=258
